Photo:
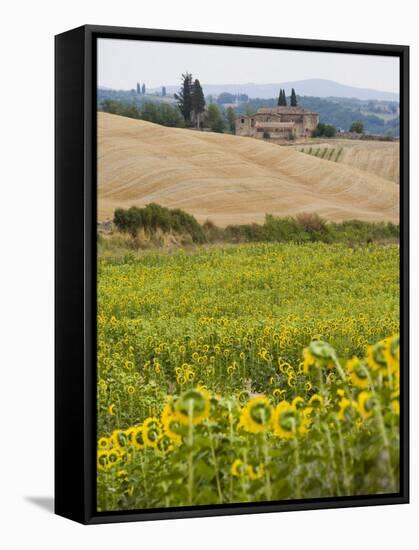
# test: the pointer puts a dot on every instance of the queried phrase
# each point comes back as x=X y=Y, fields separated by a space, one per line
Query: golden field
x=233 y=180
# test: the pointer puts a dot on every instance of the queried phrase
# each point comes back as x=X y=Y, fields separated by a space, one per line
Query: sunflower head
x=367 y=403
x=238 y=468
x=114 y=457
x=347 y=409
x=137 y=438
x=193 y=406
x=255 y=472
x=102 y=460
x=316 y=401
x=256 y=416
x=392 y=353
x=103 y=443
x=119 y=439
x=288 y=421
x=171 y=424
x=376 y=356
x=152 y=431
x=298 y=402
x=358 y=373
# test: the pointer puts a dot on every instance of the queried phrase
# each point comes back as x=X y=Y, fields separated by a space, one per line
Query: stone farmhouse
x=277 y=122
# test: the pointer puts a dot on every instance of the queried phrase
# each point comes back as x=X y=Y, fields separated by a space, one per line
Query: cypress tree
x=293 y=98
x=198 y=101
x=143 y=89
x=184 y=97
x=282 y=99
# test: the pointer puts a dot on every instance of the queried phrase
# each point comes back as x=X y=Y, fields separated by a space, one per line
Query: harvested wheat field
x=230 y=179
x=379 y=158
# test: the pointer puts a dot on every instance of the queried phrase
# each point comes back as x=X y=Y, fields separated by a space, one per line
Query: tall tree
x=293 y=98
x=143 y=89
x=214 y=118
x=231 y=119
x=184 y=97
x=163 y=91
x=282 y=100
x=198 y=101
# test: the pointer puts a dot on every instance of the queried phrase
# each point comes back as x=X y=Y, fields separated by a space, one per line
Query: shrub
x=153 y=217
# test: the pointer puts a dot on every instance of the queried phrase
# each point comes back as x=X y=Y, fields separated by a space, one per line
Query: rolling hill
x=229 y=179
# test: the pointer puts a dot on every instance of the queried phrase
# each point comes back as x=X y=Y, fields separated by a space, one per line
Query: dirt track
x=229 y=179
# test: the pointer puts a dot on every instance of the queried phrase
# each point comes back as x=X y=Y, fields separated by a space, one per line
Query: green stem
x=190 y=455
x=344 y=465
x=386 y=442
x=297 y=461
x=214 y=459
x=332 y=457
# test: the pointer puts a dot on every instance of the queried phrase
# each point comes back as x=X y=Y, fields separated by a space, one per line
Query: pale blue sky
x=122 y=63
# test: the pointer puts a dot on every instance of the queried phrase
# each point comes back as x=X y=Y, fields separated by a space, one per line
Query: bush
x=153 y=217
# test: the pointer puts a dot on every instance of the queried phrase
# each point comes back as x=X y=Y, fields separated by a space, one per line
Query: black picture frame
x=75 y=269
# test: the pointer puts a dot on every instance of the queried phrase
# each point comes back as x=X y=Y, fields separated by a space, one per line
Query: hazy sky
x=123 y=63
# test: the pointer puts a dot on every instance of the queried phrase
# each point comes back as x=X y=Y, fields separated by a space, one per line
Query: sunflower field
x=247 y=373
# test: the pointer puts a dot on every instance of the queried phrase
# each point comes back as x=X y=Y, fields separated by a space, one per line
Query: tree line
x=305 y=227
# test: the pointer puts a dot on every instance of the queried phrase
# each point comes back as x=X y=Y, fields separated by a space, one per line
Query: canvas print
x=248 y=276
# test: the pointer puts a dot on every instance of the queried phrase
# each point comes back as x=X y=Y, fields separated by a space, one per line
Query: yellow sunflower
x=103 y=443
x=318 y=354
x=170 y=423
x=119 y=439
x=256 y=416
x=347 y=409
x=238 y=468
x=193 y=405
x=367 y=403
x=377 y=356
x=152 y=431
x=358 y=373
x=102 y=460
x=316 y=401
x=255 y=472
x=288 y=421
x=114 y=457
x=137 y=438
x=298 y=402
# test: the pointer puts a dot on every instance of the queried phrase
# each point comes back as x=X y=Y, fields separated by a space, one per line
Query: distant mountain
x=316 y=87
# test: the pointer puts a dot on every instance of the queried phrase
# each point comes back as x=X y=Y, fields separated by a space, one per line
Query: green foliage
x=197 y=100
x=231 y=119
x=293 y=98
x=153 y=217
x=214 y=119
x=184 y=97
x=282 y=99
x=305 y=227
x=357 y=127
x=159 y=113
x=324 y=130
